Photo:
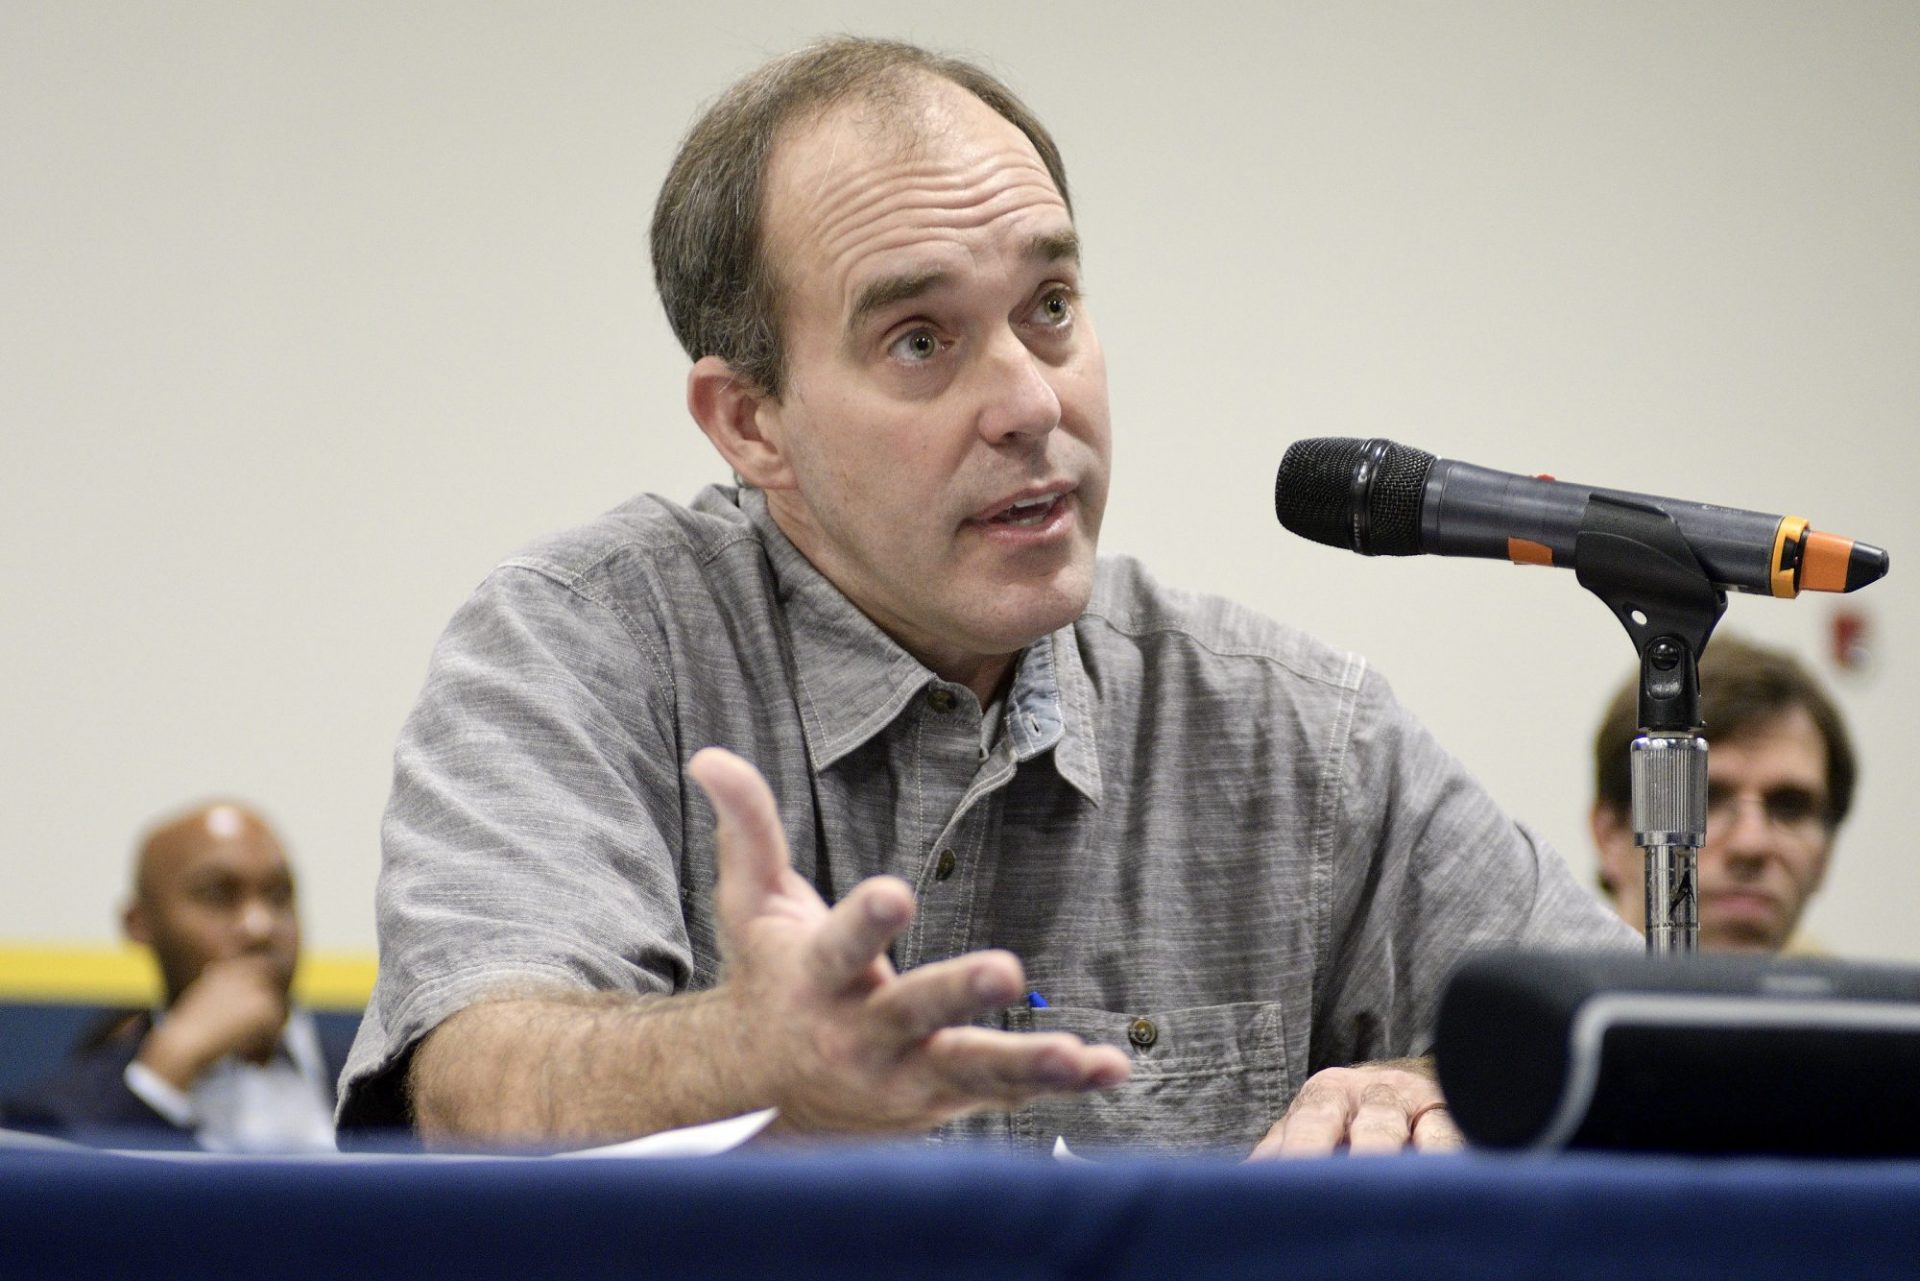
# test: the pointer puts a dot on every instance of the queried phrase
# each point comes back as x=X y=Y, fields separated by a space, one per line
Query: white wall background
x=311 y=312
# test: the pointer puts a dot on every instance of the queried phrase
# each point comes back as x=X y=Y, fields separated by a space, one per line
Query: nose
x=257 y=922
x=1020 y=400
x=1748 y=829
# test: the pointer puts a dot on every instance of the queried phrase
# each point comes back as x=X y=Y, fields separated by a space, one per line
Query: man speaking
x=862 y=790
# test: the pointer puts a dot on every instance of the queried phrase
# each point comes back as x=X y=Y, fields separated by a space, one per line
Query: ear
x=133 y=923
x=1613 y=843
x=736 y=416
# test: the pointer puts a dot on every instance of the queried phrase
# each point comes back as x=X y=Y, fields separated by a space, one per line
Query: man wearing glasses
x=1780 y=778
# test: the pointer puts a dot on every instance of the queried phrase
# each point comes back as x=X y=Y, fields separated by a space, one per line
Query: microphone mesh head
x=1399 y=488
x=1314 y=495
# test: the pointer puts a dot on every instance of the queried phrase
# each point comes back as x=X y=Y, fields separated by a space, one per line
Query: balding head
x=210 y=884
x=721 y=291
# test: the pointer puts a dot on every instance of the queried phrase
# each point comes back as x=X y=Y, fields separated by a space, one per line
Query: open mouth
x=1031 y=513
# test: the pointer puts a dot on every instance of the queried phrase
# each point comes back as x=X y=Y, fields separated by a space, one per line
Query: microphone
x=1379 y=498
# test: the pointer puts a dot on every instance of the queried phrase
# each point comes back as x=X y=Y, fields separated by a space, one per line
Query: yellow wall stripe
x=126 y=975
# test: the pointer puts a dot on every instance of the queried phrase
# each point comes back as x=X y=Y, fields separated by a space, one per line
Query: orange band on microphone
x=1792 y=528
x=1524 y=552
x=1823 y=562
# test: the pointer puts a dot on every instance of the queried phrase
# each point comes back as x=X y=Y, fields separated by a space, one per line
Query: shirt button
x=940 y=700
x=943 y=868
x=1142 y=1033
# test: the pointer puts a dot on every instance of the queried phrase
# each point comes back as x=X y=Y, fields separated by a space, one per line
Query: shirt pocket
x=1211 y=1078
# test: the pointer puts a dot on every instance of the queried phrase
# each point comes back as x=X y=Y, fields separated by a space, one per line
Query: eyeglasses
x=1795 y=812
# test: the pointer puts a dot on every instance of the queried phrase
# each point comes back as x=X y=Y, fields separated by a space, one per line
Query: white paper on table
x=710 y=1139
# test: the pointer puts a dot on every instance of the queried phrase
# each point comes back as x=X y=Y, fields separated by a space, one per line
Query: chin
x=1740 y=941
x=1041 y=611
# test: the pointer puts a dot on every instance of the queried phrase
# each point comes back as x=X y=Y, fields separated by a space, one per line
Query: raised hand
x=827 y=1030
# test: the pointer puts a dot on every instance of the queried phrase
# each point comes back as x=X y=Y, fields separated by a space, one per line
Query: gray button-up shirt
x=1213 y=841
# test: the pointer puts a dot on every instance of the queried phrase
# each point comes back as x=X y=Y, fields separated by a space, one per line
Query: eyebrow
x=1057 y=246
x=889 y=290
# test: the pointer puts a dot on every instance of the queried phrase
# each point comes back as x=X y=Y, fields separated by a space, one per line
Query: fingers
x=857 y=932
x=751 y=847
x=855 y=1045
x=1315 y=1124
x=1434 y=1131
x=1383 y=1121
x=945 y=993
x=1006 y=1069
x=1366 y=1109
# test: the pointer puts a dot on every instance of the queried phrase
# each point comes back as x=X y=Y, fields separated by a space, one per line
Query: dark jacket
x=88 y=1096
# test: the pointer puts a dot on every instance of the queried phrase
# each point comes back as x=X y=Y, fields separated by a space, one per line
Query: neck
x=985 y=674
x=989 y=679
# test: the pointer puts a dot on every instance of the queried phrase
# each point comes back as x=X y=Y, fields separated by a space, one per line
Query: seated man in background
x=228 y=1059
x=1780 y=775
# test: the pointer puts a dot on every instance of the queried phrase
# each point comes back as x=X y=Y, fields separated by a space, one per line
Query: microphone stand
x=1635 y=559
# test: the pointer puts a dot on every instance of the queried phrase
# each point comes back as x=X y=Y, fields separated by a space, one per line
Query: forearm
x=580 y=1068
x=812 y=1019
x=171 y=1053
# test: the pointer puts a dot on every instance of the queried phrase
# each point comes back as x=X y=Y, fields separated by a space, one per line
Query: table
x=929 y=1213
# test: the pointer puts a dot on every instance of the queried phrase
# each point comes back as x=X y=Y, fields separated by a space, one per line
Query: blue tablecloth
x=927 y=1214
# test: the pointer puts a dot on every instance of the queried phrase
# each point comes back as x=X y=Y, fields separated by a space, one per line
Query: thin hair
x=721 y=294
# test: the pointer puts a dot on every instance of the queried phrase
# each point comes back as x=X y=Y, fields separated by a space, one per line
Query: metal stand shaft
x=1669 y=775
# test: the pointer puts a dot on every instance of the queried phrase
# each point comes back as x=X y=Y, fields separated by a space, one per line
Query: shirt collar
x=1050 y=706
x=853 y=679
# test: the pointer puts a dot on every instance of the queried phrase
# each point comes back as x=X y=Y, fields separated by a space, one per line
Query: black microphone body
x=1476 y=511
x=1382 y=499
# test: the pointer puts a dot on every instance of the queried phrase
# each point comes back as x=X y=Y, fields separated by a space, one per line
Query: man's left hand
x=1371 y=1107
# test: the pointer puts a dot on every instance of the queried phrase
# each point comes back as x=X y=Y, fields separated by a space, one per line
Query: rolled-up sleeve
x=531 y=834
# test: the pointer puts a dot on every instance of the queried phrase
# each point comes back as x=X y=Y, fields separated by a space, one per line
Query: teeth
x=1028 y=513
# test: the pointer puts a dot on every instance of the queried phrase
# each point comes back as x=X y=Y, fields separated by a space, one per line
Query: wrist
x=173 y=1055
x=746 y=1077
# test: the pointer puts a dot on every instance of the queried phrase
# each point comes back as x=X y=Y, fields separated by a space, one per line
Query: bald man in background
x=228 y=1060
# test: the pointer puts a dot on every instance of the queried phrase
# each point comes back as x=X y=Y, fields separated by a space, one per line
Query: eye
x=915 y=347
x=219 y=895
x=1055 y=309
x=1792 y=805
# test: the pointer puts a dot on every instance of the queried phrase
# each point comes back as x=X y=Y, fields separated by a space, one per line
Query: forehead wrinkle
x=961 y=200
x=939 y=241
x=931 y=174
x=851 y=238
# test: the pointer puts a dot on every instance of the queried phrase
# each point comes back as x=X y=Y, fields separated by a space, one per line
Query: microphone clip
x=1635 y=559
